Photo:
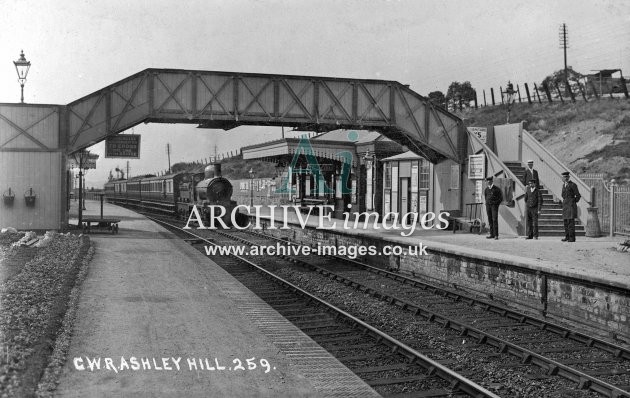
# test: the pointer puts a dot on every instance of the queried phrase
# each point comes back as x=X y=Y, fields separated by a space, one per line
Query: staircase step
x=559 y=233
x=556 y=228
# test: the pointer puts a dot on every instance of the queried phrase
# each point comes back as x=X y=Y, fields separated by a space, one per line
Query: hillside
x=589 y=137
x=235 y=168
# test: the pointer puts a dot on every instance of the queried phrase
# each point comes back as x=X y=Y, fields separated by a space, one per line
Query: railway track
x=588 y=362
x=391 y=367
x=539 y=349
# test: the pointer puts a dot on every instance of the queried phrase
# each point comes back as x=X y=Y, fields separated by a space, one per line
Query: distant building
x=605 y=81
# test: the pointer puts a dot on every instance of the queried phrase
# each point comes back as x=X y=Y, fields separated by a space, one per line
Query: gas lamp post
x=22 y=66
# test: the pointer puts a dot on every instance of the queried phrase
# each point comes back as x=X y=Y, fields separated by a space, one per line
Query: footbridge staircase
x=511 y=147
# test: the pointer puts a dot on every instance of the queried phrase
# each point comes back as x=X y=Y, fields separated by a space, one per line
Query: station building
x=384 y=177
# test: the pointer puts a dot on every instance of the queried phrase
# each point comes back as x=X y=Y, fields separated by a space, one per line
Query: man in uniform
x=530 y=174
x=533 y=204
x=570 y=197
x=493 y=197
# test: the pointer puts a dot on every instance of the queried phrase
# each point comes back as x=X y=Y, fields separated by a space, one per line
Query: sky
x=77 y=47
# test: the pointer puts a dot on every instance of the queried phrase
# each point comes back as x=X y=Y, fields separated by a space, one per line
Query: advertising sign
x=480 y=132
x=476 y=167
x=122 y=146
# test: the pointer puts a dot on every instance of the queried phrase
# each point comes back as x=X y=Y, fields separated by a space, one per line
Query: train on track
x=175 y=194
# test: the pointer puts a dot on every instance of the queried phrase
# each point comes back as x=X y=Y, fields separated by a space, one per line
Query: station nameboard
x=476 y=167
x=83 y=158
x=123 y=146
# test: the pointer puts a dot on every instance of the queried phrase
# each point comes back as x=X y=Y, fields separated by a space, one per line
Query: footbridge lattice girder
x=226 y=100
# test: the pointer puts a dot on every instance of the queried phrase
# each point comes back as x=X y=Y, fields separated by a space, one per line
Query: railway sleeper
x=401 y=380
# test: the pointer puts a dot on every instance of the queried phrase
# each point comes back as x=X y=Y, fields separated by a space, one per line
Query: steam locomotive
x=175 y=194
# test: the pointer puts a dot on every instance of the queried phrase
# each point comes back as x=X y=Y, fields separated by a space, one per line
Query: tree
x=464 y=90
x=437 y=98
x=177 y=167
x=556 y=79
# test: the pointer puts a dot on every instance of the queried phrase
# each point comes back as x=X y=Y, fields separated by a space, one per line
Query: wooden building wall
x=31 y=157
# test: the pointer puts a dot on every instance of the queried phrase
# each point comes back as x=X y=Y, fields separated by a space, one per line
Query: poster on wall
x=476 y=167
x=414 y=177
x=480 y=132
x=478 y=191
x=422 y=205
x=414 y=202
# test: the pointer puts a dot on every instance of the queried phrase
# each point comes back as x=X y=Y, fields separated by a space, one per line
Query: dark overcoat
x=530 y=175
x=570 y=197
x=493 y=195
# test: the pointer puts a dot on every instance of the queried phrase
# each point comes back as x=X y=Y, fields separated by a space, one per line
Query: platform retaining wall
x=602 y=308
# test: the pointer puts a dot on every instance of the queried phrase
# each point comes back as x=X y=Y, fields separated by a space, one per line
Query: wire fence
x=582 y=89
x=612 y=202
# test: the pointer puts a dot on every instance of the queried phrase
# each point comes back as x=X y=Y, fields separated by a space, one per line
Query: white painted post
x=612 y=208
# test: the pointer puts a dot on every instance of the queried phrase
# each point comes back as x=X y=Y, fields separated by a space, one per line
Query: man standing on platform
x=570 y=197
x=531 y=174
x=533 y=204
x=494 y=197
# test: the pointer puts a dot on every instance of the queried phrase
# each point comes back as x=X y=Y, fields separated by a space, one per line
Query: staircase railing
x=549 y=172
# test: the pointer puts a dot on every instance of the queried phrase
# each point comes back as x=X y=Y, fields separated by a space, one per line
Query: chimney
x=217 y=169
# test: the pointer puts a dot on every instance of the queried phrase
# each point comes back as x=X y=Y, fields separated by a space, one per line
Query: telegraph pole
x=168 y=153
x=564 y=43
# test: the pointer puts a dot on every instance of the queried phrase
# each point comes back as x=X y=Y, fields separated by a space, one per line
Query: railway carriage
x=175 y=194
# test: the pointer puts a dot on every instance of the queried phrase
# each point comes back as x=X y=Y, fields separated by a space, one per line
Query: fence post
x=582 y=91
x=612 y=208
x=624 y=88
x=566 y=81
x=546 y=87
x=484 y=98
x=559 y=93
x=529 y=99
x=537 y=93
x=594 y=89
x=476 y=106
x=492 y=94
x=501 y=91
x=518 y=90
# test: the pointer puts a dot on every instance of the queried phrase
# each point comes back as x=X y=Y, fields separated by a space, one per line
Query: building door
x=404 y=196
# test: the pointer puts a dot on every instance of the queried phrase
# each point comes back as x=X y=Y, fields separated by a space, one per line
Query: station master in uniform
x=493 y=197
x=570 y=197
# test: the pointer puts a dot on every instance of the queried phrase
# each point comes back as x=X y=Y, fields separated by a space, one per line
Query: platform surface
x=150 y=295
x=594 y=259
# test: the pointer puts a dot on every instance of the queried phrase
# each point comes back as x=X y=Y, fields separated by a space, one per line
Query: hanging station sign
x=123 y=146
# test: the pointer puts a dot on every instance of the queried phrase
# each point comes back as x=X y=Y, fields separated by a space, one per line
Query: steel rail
x=563 y=331
x=456 y=380
x=583 y=380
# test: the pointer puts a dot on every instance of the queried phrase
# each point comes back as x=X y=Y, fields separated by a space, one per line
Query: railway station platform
x=152 y=306
x=589 y=258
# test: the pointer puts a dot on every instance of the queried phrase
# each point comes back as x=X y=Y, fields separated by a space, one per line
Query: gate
x=613 y=203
